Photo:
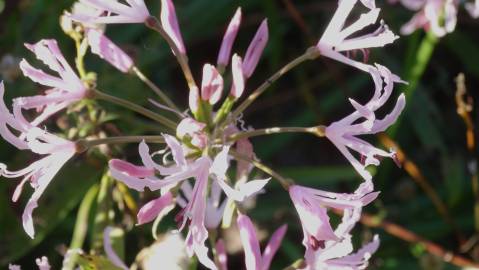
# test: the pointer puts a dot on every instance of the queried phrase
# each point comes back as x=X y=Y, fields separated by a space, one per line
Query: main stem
x=155 y=89
x=134 y=107
x=310 y=54
x=285 y=183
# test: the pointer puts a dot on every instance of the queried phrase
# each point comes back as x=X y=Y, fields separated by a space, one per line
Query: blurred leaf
x=454 y=179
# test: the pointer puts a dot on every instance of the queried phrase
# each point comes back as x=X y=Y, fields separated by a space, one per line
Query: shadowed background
x=430 y=198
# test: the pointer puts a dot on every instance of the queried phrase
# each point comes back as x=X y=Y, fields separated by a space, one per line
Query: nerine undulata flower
x=181 y=169
x=112 y=11
x=57 y=152
x=343 y=133
x=65 y=89
x=440 y=16
x=109 y=51
x=337 y=38
x=327 y=248
x=228 y=39
x=253 y=258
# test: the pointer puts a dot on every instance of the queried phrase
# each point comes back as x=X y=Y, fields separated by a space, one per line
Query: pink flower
x=337 y=38
x=65 y=89
x=440 y=16
x=311 y=207
x=134 y=11
x=57 y=150
x=178 y=170
x=343 y=133
x=107 y=50
x=211 y=85
x=327 y=248
x=473 y=9
x=169 y=22
x=229 y=38
x=255 y=49
x=253 y=258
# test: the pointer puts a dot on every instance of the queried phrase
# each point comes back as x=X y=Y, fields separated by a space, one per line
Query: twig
x=413 y=170
x=408 y=236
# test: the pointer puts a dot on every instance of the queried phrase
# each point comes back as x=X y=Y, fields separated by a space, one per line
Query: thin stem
x=80 y=51
x=81 y=224
x=317 y=131
x=83 y=145
x=155 y=89
x=310 y=54
x=285 y=182
x=134 y=107
x=153 y=23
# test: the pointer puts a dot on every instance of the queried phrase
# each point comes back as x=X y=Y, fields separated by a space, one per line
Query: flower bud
x=255 y=49
x=169 y=22
x=211 y=85
x=238 y=78
x=229 y=38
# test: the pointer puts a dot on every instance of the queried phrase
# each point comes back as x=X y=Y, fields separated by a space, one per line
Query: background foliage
x=431 y=133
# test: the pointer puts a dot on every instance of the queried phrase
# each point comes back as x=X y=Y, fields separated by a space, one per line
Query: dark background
x=431 y=133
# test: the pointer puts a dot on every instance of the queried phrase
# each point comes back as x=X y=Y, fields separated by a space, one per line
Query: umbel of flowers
x=192 y=172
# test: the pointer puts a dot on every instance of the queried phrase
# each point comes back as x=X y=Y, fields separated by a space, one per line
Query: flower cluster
x=193 y=170
x=439 y=16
